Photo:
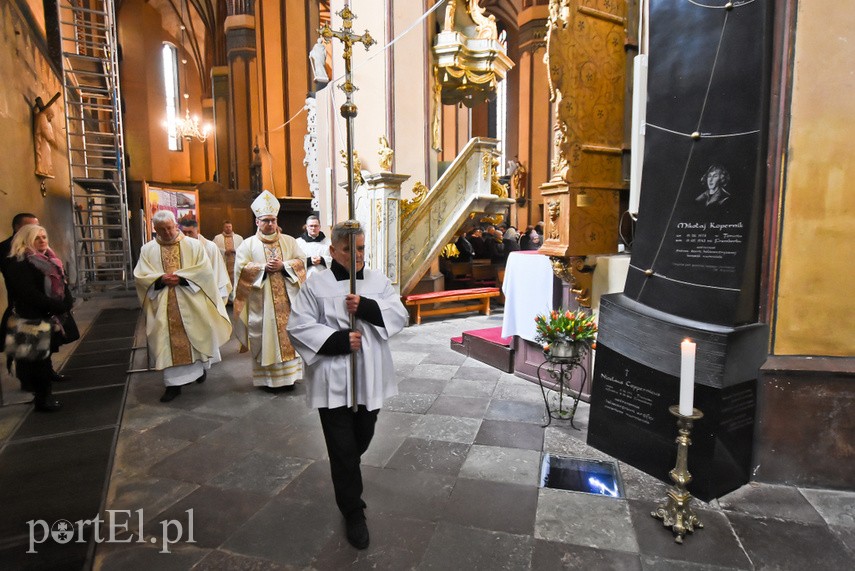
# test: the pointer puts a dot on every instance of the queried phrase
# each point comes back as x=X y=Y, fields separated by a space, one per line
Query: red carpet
x=492 y=334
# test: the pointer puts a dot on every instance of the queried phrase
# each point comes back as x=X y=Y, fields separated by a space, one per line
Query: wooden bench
x=481 y=294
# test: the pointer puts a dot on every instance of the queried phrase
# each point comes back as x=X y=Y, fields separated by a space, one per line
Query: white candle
x=687 y=377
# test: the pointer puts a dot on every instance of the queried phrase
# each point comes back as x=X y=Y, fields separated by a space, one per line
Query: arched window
x=171 y=91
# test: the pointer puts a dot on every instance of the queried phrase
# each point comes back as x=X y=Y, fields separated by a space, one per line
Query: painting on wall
x=184 y=204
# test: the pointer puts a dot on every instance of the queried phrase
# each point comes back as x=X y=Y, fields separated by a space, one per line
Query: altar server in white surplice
x=190 y=228
x=269 y=269
x=316 y=245
x=186 y=320
x=320 y=330
x=228 y=243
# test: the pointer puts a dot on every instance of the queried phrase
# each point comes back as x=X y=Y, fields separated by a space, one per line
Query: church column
x=285 y=36
x=243 y=90
x=379 y=210
x=534 y=118
x=220 y=88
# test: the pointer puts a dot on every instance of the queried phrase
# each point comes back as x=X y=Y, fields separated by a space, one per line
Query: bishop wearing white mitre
x=269 y=269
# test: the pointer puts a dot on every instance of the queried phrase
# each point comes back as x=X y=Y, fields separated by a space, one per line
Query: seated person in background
x=479 y=246
x=524 y=236
x=511 y=240
x=464 y=247
x=534 y=242
x=495 y=248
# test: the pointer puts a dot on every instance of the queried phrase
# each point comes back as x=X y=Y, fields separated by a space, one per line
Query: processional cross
x=348 y=111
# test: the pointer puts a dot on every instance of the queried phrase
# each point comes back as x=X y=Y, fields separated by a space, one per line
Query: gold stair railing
x=430 y=220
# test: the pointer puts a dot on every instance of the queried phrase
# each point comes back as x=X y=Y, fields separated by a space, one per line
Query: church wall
x=141 y=36
x=284 y=43
x=535 y=119
x=411 y=118
x=814 y=309
x=26 y=73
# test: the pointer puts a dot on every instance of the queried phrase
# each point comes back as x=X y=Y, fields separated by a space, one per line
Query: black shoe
x=57 y=378
x=170 y=393
x=202 y=379
x=357 y=530
x=47 y=404
x=288 y=388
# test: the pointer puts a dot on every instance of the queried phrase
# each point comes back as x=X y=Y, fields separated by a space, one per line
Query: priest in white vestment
x=190 y=228
x=186 y=320
x=320 y=330
x=269 y=269
x=228 y=243
x=316 y=246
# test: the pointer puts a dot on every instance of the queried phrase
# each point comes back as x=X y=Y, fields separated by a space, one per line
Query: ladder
x=96 y=161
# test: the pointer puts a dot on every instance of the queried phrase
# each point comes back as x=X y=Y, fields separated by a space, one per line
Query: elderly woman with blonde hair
x=36 y=280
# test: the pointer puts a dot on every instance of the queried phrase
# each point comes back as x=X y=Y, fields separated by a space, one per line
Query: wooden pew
x=479 y=296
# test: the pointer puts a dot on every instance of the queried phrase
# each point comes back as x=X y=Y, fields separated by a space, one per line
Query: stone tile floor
x=451 y=482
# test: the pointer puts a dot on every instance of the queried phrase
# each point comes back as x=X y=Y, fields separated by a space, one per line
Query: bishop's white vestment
x=262 y=307
x=319 y=312
x=186 y=324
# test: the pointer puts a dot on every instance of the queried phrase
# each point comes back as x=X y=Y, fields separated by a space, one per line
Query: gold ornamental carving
x=554 y=208
x=357 y=166
x=470 y=60
x=409 y=205
x=586 y=64
x=494 y=219
x=490 y=171
x=386 y=154
x=575 y=271
x=585 y=60
x=436 y=127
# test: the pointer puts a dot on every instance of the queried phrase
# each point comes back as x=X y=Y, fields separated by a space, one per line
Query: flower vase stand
x=559 y=370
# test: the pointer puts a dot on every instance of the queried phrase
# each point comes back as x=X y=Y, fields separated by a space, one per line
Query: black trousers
x=347 y=434
x=39 y=374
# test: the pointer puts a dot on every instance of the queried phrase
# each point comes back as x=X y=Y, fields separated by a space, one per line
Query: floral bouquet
x=565 y=326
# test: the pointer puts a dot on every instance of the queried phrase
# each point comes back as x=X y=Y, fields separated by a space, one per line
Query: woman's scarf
x=51 y=266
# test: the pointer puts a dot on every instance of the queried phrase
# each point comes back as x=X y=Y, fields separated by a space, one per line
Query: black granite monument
x=695 y=258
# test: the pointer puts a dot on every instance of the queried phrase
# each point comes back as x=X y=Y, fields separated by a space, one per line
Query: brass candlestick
x=676 y=511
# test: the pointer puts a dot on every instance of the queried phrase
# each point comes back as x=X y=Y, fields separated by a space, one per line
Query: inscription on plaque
x=708 y=246
x=627 y=399
x=737 y=409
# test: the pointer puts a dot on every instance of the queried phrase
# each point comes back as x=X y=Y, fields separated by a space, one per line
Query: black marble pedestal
x=636 y=379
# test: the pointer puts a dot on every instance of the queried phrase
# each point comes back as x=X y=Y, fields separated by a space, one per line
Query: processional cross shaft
x=348 y=111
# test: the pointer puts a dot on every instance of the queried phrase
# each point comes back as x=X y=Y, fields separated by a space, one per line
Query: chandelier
x=189 y=128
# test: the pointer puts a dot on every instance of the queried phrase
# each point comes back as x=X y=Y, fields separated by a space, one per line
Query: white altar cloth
x=528 y=291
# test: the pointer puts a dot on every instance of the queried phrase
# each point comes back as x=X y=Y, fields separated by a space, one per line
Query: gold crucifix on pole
x=348 y=111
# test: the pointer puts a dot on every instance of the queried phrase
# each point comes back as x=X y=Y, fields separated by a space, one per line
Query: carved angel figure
x=485 y=25
x=386 y=154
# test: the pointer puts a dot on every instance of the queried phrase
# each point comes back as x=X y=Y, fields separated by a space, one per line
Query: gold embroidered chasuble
x=170 y=257
x=228 y=245
x=262 y=304
x=184 y=324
